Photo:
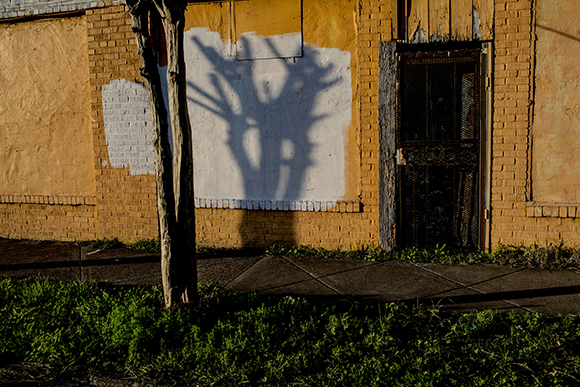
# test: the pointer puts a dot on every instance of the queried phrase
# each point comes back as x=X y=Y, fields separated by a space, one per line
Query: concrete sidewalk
x=459 y=288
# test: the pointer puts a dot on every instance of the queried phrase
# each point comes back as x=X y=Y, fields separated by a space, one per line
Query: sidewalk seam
x=476 y=283
x=243 y=271
x=313 y=276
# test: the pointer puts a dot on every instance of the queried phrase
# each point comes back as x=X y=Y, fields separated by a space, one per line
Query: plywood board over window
x=267 y=29
x=45 y=135
x=438 y=20
x=461 y=19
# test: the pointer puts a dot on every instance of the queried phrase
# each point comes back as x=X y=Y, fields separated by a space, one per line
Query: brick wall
x=65 y=218
x=515 y=218
x=125 y=204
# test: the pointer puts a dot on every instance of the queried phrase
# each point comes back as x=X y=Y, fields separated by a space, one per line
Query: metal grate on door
x=438 y=148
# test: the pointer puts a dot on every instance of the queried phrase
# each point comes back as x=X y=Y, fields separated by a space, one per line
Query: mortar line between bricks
x=464 y=286
x=313 y=276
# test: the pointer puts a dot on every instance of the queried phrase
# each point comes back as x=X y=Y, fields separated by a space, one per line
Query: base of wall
x=62 y=222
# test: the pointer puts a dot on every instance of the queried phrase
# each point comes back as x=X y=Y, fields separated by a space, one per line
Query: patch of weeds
x=149 y=245
x=106 y=243
x=545 y=257
x=265 y=340
x=551 y=256
x=365 y=252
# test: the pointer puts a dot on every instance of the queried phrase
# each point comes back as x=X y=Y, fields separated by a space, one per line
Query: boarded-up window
x=556 y=124
x=45 y=134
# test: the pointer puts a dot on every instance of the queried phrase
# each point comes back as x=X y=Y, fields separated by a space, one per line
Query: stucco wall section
x=45 y=137
x=556 y=127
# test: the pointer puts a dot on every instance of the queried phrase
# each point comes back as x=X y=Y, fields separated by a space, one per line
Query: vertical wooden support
x=487 y=61
x=483 y=15
x=419 y=21
x=387 y=127
x=461 y=19
x=395 y=19
x=439 y=20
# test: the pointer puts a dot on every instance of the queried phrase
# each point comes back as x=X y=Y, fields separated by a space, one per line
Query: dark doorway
x=439 y=148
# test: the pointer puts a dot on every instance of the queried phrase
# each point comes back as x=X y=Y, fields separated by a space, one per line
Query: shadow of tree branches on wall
x=267 y=126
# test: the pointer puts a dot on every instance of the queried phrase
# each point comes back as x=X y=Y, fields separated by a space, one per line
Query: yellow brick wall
x=64 y=218
x=515 y=219
x=126 y=205
x=343 y=227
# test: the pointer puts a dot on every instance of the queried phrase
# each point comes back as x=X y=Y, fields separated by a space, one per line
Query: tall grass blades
x=249 y=339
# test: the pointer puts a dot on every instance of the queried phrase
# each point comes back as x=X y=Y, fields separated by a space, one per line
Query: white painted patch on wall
x=128 y=126
x=419 y=36
x=271 y=130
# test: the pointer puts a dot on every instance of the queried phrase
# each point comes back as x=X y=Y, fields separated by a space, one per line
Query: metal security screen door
x=439 y=147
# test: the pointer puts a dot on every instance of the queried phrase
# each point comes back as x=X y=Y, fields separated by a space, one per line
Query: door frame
x=388 y=175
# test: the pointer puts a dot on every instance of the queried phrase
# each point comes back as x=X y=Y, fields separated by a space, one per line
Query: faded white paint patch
x=128 y=126
x=252 y=46
x=477 y=35
x=419 y=36
x=274 y=129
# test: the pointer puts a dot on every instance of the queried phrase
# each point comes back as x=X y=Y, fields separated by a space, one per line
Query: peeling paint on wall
x=419 y=36
x=477 y=35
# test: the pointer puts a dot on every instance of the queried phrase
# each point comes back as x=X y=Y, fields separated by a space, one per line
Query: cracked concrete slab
x=223 y=270
x=532 y=290
x=277 y=275
x=384 y=281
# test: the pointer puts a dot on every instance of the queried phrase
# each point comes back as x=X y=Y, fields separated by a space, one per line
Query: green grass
x=551 y=256
x=255 y=340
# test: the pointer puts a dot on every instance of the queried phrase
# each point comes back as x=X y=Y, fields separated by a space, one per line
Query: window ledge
x=49 y=199
x=281 y=205
x=552 y=210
